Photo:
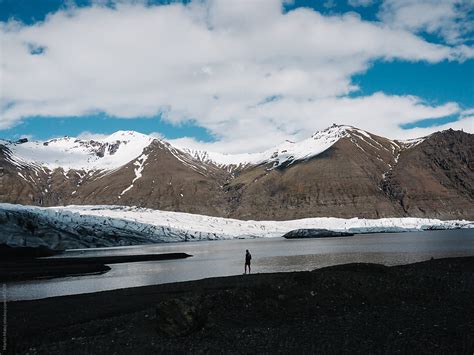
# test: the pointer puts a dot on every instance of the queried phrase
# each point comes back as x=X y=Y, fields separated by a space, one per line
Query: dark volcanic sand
x=363 y=308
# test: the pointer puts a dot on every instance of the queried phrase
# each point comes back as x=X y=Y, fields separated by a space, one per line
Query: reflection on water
x=223 y=258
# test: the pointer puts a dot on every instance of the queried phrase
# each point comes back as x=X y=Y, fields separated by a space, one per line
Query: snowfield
x=98 y=226
x=68 y=153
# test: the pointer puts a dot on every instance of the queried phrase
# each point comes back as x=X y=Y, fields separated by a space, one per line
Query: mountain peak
x=337 y=129
x=285 y=153
x=126 y=136
x=105 y=153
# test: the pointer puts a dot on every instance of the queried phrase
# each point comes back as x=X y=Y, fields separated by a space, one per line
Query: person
x=248 y=257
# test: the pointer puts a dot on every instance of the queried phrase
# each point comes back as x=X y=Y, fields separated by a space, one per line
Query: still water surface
x=223 y=258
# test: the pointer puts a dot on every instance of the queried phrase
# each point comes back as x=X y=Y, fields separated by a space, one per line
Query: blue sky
x=436 y=83
x=97 y=67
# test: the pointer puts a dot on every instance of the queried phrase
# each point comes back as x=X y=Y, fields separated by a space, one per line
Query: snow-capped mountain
x=72 y=153
x=289 y=152
x=118 y=149
x=341 y=171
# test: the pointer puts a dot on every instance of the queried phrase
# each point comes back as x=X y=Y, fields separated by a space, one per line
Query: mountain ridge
x=341 y=171
x=101 y=146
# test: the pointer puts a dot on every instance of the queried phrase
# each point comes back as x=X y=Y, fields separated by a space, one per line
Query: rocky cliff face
x=339 y=172
x=436 y=177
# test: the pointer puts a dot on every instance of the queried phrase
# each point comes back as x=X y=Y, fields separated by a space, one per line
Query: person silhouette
x=248 y=257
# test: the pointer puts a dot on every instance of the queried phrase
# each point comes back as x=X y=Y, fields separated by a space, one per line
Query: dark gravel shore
x=356 y=308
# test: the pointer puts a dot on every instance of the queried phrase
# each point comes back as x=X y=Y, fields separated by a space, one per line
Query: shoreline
x=422 y=307
x=26 y=269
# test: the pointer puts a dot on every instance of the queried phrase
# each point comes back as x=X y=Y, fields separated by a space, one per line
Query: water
x=223 y=258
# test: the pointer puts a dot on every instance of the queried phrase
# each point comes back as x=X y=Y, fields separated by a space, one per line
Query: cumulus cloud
x=248 y=72
x=379 y=113
x=453 y=20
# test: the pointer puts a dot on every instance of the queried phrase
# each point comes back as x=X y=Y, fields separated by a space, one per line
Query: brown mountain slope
x=436 y=178
x=24 y=184
x=340 y=182
x=28 y=184
x=361 y=175
x=169 y=180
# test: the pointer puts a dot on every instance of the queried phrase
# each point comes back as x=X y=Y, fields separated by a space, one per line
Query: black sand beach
x=358 y=308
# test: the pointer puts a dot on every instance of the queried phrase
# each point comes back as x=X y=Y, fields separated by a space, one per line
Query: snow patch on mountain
x=285 y=153
x=139 y=166
x=228 y=161
x=410 y=143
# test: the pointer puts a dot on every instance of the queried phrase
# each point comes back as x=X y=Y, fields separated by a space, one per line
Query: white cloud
x=465 y=123
x=156 y=135
x=87 y=135
x=360 y=3
x=453 y=20
x=469 y=112
x=249 y=73
x=295 y=120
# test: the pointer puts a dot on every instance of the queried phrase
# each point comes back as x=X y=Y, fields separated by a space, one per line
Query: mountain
x=341 y=171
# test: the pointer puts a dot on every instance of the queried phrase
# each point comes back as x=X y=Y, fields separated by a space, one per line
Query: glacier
x=68 y=227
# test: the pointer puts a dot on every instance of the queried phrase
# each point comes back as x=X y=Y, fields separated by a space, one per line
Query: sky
x=235 y=76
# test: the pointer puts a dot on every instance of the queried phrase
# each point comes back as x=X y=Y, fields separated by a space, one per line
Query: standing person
x=248 y=257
